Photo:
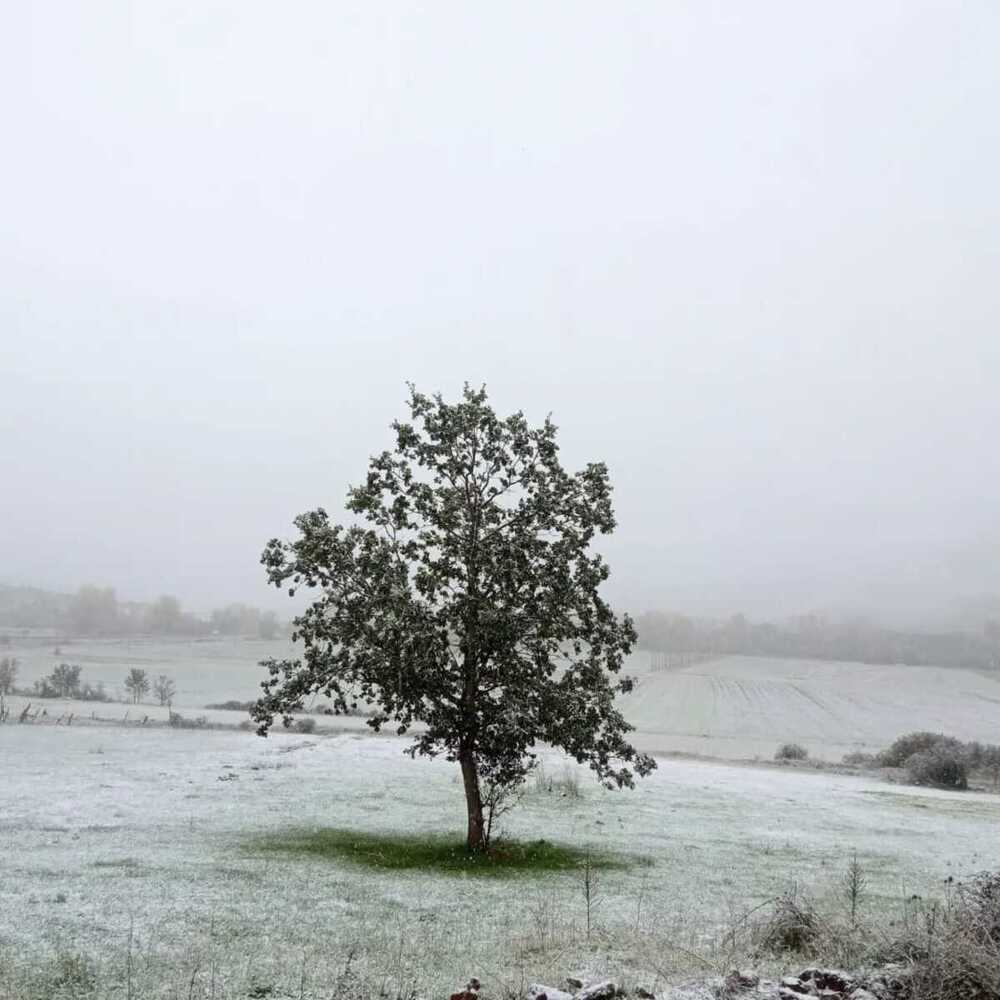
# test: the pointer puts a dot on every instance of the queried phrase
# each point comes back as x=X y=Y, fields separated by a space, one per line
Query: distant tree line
x=815 y=637
x=96 y=611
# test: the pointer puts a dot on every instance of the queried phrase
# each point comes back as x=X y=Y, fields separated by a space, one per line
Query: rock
x=599 y=991
x=644 y=994
x=697 y=990
x=538 y=992
x=861 y=994
x=471 y=991
x=573 y=983
x=832 y=980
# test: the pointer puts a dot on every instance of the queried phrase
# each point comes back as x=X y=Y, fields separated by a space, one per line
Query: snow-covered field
x=742 y=706
x=108 y=832
x=733 y=707
x=203 y=670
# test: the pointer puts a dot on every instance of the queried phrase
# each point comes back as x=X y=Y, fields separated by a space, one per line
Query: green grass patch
x=436 y=853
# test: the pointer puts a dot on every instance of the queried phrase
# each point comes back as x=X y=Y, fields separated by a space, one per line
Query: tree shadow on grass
x=436 y=853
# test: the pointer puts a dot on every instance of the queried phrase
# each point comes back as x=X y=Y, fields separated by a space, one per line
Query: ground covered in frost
x=135 y=848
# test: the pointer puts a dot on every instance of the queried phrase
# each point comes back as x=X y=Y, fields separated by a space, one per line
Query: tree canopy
x=463 y=602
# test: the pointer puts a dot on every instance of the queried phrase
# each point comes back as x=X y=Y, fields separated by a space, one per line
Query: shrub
x=73 y=973
x=304 y=725
x=792 y=926
x=979 y=901
x=232 y=706
x=858 y=758
x=955 y=954
x=791 y=751
x=904 y=747
x=942 y=765
x=178 y=721
x=93 y=692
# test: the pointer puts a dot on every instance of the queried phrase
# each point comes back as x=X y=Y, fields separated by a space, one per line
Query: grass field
x=143 y=853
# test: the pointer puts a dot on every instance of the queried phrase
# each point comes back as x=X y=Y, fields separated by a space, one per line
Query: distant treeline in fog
x=814 y=637
x=96 y=611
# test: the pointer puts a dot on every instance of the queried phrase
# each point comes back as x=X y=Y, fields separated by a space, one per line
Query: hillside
x=742 y=706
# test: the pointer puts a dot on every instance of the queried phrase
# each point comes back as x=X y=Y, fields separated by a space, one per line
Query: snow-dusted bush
x=791 y=751
x=942 y=765
x=905 y=746
x=792 y=925
x=179 y=721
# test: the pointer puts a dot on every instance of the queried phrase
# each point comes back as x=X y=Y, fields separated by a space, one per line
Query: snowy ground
x=742 y=706
x=107 y=828
x=733 y=707
x=203 y=670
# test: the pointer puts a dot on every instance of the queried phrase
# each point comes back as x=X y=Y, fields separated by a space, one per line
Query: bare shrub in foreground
x=792 y=926
x=955 y=954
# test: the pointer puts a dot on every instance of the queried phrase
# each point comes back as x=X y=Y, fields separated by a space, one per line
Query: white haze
x=746 y=253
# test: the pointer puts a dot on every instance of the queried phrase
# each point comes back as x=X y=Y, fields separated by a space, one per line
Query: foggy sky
x=748 y=254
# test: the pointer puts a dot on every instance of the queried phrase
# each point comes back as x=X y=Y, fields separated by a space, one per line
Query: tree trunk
x=476 y=837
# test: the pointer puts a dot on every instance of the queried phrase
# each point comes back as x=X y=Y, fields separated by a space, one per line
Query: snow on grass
x=108 y=828
x=204 y=670
x=743 y=706
x=733 y=707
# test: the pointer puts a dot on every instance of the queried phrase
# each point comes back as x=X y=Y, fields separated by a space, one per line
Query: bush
x=178 y=721
x=95 y=692
x=791 y=751
x=858 y=758
x=304 y=725
x=792 y=926
x=907 y=745
x=942 y=765
x=232 y=706
x=955 y=955
x=73 y=973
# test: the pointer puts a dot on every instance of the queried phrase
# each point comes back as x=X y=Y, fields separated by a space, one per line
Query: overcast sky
x=748 y=254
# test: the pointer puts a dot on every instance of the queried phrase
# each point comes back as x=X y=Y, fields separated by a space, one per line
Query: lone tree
x=464 y=598
x=137 y=684
x=164 y=689
x=8 y=674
